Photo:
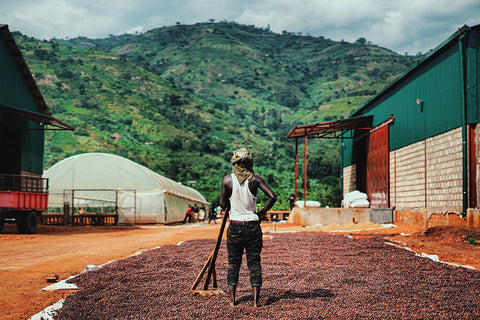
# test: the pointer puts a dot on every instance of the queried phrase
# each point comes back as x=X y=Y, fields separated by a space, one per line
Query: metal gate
x=121 y=203
x=378 y=169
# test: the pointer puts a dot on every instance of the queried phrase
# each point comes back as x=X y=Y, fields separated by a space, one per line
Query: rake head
x=209 y=292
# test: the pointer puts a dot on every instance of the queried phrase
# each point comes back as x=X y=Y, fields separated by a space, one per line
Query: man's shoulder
x=227 y=180
x=257 y=177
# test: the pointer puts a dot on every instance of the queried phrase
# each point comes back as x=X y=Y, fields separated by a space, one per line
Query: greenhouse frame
x=108 y=183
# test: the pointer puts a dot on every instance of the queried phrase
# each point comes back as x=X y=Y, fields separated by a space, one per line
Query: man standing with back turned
x=239 y=194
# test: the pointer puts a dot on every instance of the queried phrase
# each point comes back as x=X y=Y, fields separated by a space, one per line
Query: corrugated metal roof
x=428 y=57
x=23 y=68
x=45 y=115
x=331 y=129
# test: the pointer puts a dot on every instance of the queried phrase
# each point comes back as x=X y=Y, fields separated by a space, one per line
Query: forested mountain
x=180 y=99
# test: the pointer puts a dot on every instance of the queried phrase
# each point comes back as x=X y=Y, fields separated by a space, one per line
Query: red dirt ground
x=27 y=260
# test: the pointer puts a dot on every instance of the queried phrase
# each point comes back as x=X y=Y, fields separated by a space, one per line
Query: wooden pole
x=211 y=268
x=202 y=272
x=209 y=265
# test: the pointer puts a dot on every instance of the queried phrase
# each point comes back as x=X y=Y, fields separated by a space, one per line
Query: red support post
x=305 y=174
x=296 y=168
x=472 y=154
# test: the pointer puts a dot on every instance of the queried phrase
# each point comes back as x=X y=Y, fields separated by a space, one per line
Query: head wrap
x=242 y=164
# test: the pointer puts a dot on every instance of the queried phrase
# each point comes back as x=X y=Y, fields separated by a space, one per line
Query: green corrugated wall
x=473 y=78
x=13 y=89
x=15 y=93
x=438 y=82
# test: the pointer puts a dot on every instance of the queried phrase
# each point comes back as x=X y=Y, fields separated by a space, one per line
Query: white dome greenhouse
x=101 y=180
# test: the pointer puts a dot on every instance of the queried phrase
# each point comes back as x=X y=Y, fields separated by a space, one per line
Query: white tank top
x=243 y=204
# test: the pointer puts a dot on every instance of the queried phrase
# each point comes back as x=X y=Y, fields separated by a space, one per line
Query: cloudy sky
x=401 y=25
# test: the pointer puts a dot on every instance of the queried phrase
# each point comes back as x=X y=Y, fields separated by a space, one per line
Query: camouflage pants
x=244 y=236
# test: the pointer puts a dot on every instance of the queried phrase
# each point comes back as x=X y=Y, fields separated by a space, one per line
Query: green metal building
x=413 y=148
x=417 y=147
x=24 y=116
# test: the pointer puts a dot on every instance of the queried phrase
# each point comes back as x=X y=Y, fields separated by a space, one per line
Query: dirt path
x=27 y=260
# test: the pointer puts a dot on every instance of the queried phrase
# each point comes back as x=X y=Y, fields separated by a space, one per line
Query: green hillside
x=180 y=99
x=231 y=63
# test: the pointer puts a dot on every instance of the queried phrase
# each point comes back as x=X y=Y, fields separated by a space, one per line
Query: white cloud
x=401 y=25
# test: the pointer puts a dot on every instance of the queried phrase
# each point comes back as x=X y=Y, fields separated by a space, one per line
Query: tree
x=41 y=53
x=361 y=41
x=174 y=144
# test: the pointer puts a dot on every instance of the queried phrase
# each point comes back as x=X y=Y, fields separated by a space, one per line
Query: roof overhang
x=23 y=68
x=430 y=56
x=45 y=115
x=331 y=129
x=38 y=117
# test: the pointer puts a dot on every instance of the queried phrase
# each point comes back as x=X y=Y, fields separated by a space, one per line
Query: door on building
x=10 y=143
x=378 y=168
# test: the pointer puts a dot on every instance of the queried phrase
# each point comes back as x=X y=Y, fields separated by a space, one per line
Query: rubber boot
x=231 y=294
x=256 y=296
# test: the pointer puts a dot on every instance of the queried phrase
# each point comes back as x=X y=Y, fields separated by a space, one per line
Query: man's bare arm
x=226 y=192
x=272 y=197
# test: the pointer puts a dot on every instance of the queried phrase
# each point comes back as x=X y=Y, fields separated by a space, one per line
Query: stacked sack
x=355 y=199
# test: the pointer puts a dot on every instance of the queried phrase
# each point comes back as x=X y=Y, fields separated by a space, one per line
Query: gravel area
x=307 y=275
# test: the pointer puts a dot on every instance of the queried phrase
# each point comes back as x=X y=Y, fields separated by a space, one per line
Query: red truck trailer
x=22 y=201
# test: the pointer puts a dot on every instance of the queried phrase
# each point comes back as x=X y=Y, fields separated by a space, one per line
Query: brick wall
x=440 y=187
x=426 y=174
x=445 y=171
x=349 y=179
x=407 y=176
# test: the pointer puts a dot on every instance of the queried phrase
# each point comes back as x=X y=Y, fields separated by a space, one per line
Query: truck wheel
x=27 y=222
x=2 y=223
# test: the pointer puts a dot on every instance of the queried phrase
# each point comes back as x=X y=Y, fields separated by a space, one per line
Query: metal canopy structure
x=331 y=129
x=38 y=117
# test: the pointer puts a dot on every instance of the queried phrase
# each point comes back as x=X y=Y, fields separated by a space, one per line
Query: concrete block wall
x=407 y=176
x=445 y=171
x=349 y=179
x=428 y=174
x=310 y=216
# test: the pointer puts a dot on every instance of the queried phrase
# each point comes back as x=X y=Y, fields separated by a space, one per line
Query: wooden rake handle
x=210 y=264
